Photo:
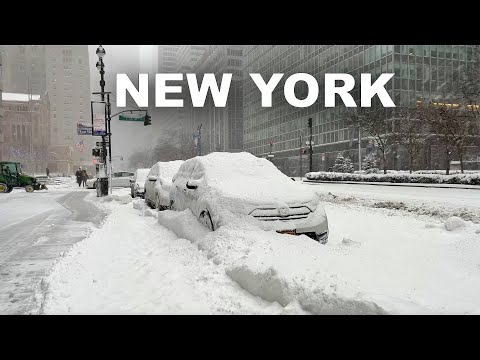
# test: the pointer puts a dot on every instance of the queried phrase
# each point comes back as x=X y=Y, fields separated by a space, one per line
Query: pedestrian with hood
x=78 y=174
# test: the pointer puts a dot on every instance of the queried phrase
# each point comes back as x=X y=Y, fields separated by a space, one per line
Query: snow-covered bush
x=342 y=164
x=398 y=177
x=369 y=164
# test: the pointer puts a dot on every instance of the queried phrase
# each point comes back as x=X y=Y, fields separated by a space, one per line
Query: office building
x=422 y=73
x=222 y=128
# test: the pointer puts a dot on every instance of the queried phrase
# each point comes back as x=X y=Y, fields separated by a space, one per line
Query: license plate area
x=287 y=232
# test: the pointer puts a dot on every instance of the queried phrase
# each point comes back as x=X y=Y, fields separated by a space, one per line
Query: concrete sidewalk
x=440 y=186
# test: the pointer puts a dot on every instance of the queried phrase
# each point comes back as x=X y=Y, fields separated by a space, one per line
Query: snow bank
x=398 y=177
x=138 y=204
x=123 y=199
x=436 y=205
x=134 y=266
x=277 y=268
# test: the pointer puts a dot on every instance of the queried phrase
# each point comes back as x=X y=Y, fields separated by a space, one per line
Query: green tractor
x=11 y=176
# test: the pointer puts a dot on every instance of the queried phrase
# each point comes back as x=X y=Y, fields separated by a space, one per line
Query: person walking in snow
x=84 y=177
x=78 y=174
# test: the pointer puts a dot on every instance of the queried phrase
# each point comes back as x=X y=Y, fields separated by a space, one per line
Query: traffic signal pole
x=310 y=126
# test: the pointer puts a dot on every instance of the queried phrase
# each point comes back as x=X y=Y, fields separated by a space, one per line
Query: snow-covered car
x=221 y=188
x=159 y=182
x=119 y=179
x=137 y=183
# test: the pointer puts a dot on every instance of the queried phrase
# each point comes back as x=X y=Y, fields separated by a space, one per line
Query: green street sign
x=131 y=118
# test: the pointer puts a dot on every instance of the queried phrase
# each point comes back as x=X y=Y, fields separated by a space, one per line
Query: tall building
x=167 y=58
x=25 y=131
x=422 y=72
x=24 y=69
x=68 y=86
x=222 y=128
x=187 y=56
x=1 y=88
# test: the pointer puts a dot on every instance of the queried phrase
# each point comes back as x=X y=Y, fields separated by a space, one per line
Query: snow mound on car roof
x=166 y=169
x=245 y=176
x=142 y=175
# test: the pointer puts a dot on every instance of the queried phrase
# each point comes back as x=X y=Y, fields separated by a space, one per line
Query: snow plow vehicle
x=11 y=176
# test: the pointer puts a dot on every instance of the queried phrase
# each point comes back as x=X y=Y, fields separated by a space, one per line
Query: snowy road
x=35 y=229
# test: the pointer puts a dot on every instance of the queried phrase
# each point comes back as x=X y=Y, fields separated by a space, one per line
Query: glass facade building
x=422 y=73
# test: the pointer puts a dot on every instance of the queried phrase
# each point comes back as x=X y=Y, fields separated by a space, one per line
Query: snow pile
x=453 y=223
x=397 y=177
x=390 y=267
x=138 y=204
x=150 y=212
x=123 y=199
x=276 y=267
x=134 y=266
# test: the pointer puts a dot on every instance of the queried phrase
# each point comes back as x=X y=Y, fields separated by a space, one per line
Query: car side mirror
x=191 y=187
x=152 y=178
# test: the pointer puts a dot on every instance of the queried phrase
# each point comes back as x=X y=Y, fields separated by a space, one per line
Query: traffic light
x=147 y=120
x=96 y=152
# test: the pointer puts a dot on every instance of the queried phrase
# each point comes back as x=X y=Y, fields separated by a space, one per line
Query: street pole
x=200 y=140
x=103 y=182
x=310 y=126
x=301 y=156
x=359 y=149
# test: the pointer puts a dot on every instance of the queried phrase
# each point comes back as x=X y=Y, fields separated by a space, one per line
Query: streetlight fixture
x=103 y=189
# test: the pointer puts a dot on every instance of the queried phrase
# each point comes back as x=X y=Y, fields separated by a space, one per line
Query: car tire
x=206 y=220
x=158 y=206
x=3 y=187
x=29 y=188
x=9 y=190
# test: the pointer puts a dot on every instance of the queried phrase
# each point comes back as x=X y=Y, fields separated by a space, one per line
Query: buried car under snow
x=222 y=187
x=159 y=182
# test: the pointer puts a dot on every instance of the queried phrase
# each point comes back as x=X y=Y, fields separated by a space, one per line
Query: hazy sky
x=126 y=136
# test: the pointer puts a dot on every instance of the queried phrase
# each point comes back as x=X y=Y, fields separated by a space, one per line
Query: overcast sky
x=126 y=136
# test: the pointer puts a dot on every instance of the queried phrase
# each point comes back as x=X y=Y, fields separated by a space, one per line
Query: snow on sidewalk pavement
x=134 y=266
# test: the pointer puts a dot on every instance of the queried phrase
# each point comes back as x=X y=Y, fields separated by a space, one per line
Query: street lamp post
x=103 y=189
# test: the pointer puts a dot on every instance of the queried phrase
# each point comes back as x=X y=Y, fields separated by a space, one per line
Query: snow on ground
x=377 y=261
x=440 y=203
x=134 y=266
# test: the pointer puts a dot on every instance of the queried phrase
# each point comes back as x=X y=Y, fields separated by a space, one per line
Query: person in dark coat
x=48 y=172
x=78 y=174
x=84 y=178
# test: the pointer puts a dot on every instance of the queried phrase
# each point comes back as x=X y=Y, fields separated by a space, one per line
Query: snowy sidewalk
x=134 y=266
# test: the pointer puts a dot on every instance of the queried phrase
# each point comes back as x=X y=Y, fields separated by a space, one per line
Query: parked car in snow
x=158 y=183
x=119 y=179
x=137 y=182
x=220 y=188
